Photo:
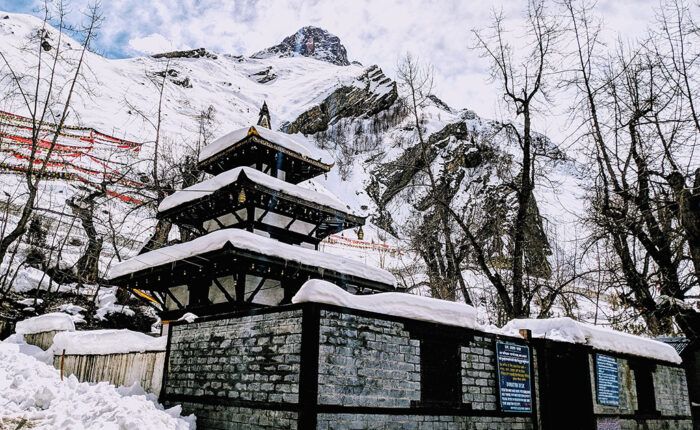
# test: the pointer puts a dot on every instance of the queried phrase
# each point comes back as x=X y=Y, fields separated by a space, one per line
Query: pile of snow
x=600 y=338
x=295 y=143
x=29 y=278
x=395 y=304
x=102 y=342
x=75 y=312
x=245 y=240
x=210 y=186
x=107 y=304
x=32 y=391
x=55 y=321
x=189 y=317
x=30 y=302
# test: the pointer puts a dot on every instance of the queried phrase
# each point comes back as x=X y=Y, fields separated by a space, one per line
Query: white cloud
x=154 y=44
x=374 y=32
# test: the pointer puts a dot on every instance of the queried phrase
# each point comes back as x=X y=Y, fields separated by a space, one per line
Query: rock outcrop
x=372 y=93
x=311 y=42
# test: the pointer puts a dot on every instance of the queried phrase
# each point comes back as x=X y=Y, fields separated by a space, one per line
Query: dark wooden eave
x=255 y=150
x=203 y=269
x=225 y=201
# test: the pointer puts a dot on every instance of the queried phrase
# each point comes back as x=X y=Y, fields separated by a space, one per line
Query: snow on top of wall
x=48 y=322
x=221 y=180
x=103 y=342
x=396 y=304
x=297 y=143
x=600 y=338
x=242 y=239
x=32 y=392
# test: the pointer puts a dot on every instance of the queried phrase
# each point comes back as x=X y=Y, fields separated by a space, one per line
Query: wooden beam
x=240 y=286
x=223 y=290
x=172 y=296
x=256 y=290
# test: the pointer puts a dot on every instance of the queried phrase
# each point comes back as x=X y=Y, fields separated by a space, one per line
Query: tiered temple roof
x=267 y=150
x=256 y=230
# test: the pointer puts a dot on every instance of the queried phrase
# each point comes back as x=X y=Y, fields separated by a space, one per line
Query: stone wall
x=671 y=395
x=374 y=362
x=366 y=362
x=479 y=374
x=241 y=418
x=241 y=370
x=363 y=371
x=420 y=422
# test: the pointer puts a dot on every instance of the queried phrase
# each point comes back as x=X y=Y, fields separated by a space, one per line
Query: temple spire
x=264 y=118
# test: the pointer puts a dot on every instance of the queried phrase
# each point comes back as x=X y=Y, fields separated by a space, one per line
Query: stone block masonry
x=366 y=362
x=238 y=372
x=670 y=397
x=479 y=375
x=316 y=366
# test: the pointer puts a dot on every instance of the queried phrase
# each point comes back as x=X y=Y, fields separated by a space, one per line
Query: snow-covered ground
x=32 y=395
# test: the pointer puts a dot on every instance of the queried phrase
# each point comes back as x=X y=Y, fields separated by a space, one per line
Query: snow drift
x=32 y=392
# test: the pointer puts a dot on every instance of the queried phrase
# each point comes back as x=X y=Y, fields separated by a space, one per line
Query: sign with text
x=607 y=381
x=514 y=377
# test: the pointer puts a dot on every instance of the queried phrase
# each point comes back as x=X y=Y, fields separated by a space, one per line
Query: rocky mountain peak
x=311 y=42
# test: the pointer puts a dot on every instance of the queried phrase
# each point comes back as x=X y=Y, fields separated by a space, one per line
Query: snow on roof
x=245 y=240
x=294 y=143
x=396 y=304
x=103 y=342
x=600 y=338
x=221 y=180
x=55 y=321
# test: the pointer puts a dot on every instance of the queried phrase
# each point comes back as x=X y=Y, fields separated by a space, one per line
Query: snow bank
x=29 y=278
x=245 y=240
x=396 y=304
x=32 y=391
x=221 y=180
x=47 y=322
x=290 y=142
x=103 y=342
x=601 y=338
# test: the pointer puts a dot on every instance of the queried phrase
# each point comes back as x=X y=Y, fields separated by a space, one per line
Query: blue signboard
x=607 y=381
x=514 y=377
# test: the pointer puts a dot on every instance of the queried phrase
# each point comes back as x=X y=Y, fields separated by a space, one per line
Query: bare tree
x=637 y=106
x=46 y=97
x=523 y=82
x=445 y=270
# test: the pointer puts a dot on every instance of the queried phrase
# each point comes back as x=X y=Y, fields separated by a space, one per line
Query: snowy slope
x=298 y=90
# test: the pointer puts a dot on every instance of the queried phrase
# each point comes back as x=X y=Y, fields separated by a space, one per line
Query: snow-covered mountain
x=310 y=42
x=353 y=112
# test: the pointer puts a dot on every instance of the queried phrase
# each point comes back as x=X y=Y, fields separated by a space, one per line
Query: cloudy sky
x=373 y=31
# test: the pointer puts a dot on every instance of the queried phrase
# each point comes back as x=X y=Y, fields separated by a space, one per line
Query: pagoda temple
x=256 y=231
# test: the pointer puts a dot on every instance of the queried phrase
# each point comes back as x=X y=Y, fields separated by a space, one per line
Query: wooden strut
x=256 y=290
x=63 y=358
x=223 y=290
